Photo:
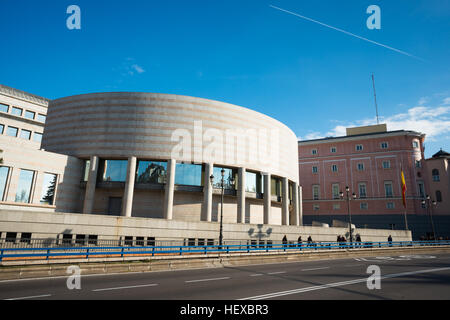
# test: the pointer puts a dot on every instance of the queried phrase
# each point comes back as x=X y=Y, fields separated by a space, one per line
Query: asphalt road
x=402 y=277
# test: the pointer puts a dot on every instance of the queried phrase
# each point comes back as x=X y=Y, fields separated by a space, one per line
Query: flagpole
x=402 y=176
x=406 y=218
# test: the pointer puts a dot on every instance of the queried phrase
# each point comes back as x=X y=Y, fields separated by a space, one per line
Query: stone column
x=300 y=205
x=89 y=196
x=207 y=193
x=241 y=196
x=295 y=197
x=169 y=189
x=267 y=198
x=127 y=204
x=285 y=202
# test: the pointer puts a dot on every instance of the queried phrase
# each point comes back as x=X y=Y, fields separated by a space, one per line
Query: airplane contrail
x=349 y=33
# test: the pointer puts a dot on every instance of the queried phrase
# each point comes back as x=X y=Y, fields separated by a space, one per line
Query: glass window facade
x=24 y=186
x=41 y=117
x=25 y=134
x=87 y=166
x=4 y=108
x=275 y=186
x=4 y=172
x=251 y=184
x=151 y=172
x=2 y=128
x=30 y=115
x=37 y=137
x=48 y=189
x=386 y=164
x=228 y=178
x=16 y=111
x=188 y=174
x=113 y=170
x=12 y=131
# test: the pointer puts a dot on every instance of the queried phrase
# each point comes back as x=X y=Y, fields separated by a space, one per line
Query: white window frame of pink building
x=388 y=193
x=335 y=190
x=362 y=189
x=316 y=192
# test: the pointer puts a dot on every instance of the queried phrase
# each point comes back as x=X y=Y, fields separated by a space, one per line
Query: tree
x=48 y=198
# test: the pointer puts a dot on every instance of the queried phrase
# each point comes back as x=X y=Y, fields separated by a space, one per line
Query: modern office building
x=369 y=161
x=31 y=178
x=153 y=155
x=148 y=166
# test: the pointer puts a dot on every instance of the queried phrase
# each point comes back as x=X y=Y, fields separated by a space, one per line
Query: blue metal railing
x=142 y=251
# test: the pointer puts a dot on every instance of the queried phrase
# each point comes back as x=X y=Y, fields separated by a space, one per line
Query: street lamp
x=341 y=194
x=427 y=202
x=222 y=172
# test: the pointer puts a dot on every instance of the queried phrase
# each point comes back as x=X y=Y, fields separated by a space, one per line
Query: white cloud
x=422 y=101
x=313 y=135
x=129 y=67
x=137 y=68
x=433 y=121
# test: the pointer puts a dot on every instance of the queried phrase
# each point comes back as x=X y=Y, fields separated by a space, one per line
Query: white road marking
x=31 y=297
x=256 y=275
x=128 y=287
x=278 y=272
x=311 y=269
x=337 y=284
x=353 y=265
x=212 y=279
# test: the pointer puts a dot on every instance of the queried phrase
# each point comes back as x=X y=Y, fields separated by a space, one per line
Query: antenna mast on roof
x=375 y=96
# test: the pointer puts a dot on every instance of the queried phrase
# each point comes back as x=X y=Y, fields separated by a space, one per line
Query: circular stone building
x=169 y=156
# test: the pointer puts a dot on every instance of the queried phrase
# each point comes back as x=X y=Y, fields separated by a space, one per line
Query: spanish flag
x=403 y=188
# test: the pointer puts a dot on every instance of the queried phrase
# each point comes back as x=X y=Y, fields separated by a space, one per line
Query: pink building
x=369 y=161
x=438 y=176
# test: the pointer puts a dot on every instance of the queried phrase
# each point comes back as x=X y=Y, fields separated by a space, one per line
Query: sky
x=305 y=63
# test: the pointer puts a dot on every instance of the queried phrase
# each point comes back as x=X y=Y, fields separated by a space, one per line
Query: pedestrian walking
x=358 y=240
x=390 y=240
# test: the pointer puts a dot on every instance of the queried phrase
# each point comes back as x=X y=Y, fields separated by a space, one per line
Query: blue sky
x=314 y=79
